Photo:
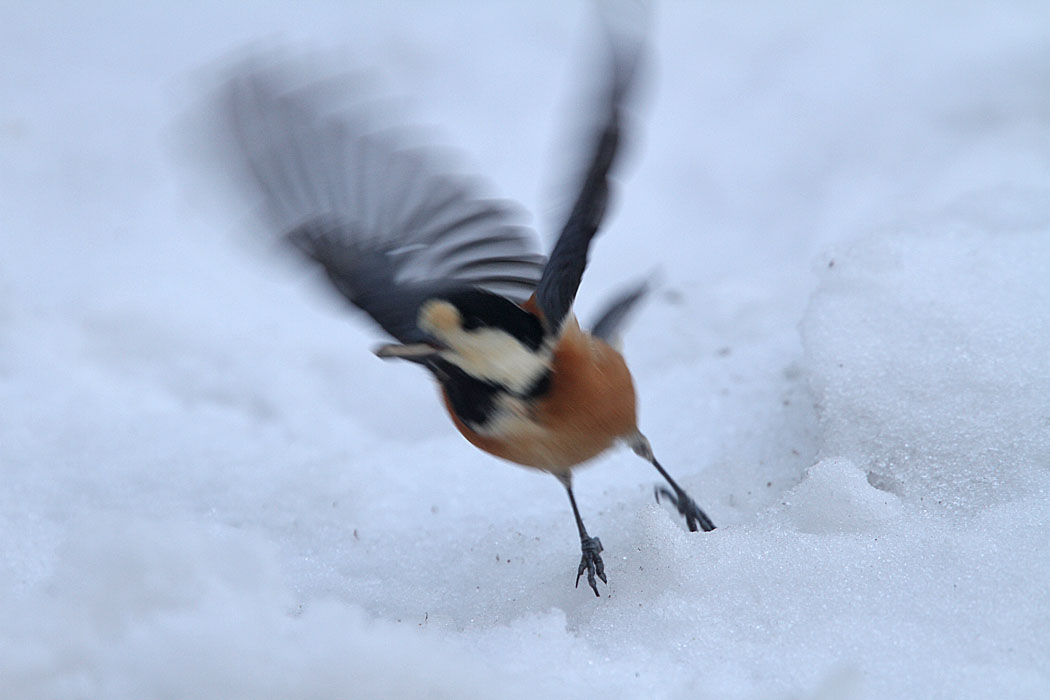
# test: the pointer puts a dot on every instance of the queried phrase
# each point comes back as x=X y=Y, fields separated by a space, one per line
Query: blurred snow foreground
x=210 y=488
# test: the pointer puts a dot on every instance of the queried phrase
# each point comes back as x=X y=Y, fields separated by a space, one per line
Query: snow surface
x=210 y=488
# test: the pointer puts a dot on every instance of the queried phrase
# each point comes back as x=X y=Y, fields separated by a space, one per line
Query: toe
x=591 y=580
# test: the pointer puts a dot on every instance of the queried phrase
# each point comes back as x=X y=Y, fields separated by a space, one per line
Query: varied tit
x=455 y=280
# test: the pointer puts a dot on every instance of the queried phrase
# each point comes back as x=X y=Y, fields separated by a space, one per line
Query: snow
x=211 y=488
x=968 y=312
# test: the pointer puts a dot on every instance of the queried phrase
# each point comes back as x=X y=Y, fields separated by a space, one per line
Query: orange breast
x=591 y=403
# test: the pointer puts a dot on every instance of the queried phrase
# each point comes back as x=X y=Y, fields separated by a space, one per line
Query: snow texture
x=210 y=488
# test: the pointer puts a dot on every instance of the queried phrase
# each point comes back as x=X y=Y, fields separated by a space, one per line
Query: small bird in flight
x=454 y=280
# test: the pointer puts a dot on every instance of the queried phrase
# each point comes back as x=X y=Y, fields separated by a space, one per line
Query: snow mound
x=927 y=350
x=836 y=497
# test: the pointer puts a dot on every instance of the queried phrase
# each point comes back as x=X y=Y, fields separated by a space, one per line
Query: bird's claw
x=694 y=516
x=592 y=563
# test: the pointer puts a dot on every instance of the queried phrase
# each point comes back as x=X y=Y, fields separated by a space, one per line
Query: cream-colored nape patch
x=440 y=318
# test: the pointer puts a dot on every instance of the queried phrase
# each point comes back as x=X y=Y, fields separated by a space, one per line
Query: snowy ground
x=210 y=488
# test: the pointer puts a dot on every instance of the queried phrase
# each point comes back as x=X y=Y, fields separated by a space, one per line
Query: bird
x=452 y=277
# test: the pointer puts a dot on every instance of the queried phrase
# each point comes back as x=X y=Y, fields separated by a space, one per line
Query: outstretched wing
x=561 y=277
x=388 y=225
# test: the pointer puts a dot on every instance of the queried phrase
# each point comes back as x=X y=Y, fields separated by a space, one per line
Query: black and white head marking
x=485 y=407
x=490 y=338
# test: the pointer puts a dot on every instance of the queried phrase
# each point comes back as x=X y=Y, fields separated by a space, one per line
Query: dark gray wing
x=561 y=277
x=616 y=312
x=388 y=225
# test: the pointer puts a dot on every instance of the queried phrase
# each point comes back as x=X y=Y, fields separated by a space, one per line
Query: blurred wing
x=388 y=227
x=618 y=310
x=564 y=270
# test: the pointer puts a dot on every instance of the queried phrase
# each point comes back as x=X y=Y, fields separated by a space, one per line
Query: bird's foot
x=687 y=507
x=592 y=563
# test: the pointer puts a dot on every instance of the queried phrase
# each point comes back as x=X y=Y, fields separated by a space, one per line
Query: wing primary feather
x=466 y=247
x=561 y=277
x=390 y=227
x=494 y=263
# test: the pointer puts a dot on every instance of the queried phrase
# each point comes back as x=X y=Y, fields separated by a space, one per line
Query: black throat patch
x=475 y=401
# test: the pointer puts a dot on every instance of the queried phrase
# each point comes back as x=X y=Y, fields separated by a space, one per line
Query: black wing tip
x=620 y=308
x=626 y=27
x=625 y=46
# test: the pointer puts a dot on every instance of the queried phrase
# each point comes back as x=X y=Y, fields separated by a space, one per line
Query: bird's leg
x=591 y=561
x=694 y=516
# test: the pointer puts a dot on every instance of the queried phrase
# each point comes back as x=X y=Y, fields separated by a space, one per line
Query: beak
x=415 y=352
